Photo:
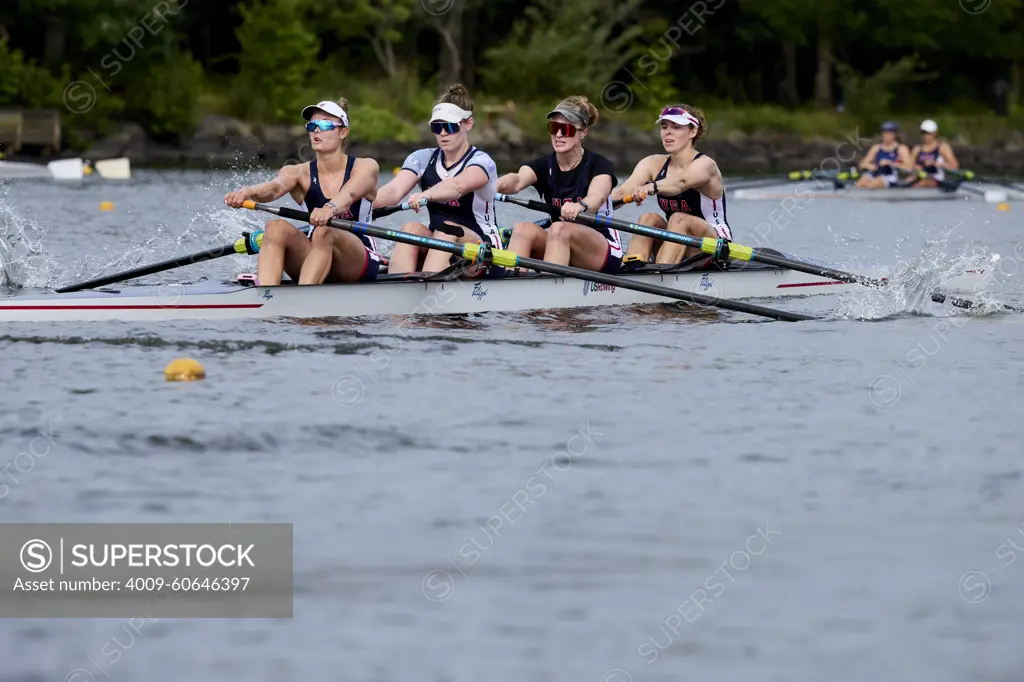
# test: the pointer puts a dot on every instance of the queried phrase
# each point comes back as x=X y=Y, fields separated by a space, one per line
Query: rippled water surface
x=609 y=495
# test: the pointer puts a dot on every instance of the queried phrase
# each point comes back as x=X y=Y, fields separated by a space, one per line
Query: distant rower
x=933 y=156
x=884 y=160
x=687 y=184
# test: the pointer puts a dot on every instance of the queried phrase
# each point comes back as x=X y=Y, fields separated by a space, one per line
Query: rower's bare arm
x=697 y=174
x=949 y=157
x=642 y=175
x=867 y=163
x=288 y=178
x=913 y=155
x=469 y=180
x=362 y=184
x=514 y=183
x=904 y=160
x=393 y=192
x=597 y=193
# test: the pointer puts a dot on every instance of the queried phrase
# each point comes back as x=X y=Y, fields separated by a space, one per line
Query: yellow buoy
x=396 y=171
x=184 y=369
x=87 y=170
x=107 y=206
x=1003 y=206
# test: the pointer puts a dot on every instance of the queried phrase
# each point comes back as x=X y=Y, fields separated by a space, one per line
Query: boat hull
x=224 y=300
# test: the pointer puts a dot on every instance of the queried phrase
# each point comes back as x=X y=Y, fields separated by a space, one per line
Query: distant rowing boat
x=65 y=169
x=829 y=192
x=405 y=295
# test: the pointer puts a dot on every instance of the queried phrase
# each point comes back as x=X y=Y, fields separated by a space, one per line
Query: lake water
x=598 y=495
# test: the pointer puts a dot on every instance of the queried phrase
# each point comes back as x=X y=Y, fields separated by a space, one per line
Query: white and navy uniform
x=929 y=162
x=692 y=202
x=473 y=210
x=361 y=211
x=557 y=187
x=887 y=173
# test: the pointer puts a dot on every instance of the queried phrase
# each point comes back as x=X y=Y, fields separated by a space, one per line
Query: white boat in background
x=66 y=170
x=413 y=295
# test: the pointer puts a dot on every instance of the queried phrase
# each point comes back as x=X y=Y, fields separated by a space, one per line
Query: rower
x=688 y=186
x=455 y=178
x=572 y=180
x=932 y=157
x=332 y=185
x=884 y=160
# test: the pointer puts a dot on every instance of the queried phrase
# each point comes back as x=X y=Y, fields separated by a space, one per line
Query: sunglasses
x=567 y=129
x=450 y=128
x=323 y=126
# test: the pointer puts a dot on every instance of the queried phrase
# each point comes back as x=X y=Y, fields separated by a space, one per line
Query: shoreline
x=224 y=143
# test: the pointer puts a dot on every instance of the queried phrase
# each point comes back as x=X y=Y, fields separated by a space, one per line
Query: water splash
x=910 y=286
x=24 y=263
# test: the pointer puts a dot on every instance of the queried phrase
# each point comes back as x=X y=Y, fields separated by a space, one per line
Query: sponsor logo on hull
x=595 y=287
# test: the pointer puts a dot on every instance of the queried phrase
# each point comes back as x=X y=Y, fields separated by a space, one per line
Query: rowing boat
x=421 y=295
x=883 y=194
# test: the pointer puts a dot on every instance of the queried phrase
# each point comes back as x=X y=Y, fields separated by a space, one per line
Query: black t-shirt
x=558 y=187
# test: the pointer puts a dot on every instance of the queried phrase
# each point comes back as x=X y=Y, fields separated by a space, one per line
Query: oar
x=248 y=243
x=385 y=211
x=721 y=248
x=484 y=253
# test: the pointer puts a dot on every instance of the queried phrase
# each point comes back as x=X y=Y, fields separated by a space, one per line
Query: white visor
x=327 y=107
x=684 y=120
x=449 y=113
x=929 y=126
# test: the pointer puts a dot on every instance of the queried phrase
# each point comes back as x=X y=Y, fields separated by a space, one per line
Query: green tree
x=379 y=22
x=541 y=59
x=277 y=62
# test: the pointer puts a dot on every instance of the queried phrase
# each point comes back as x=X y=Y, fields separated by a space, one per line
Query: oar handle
x=385 y=211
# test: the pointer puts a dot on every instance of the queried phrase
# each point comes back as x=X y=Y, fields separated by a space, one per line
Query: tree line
x=163 y=62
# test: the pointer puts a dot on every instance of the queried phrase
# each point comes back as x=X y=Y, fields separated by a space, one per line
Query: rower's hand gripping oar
x=483 y=253
x=385 y=211
x=720 y=247
x=248 y=243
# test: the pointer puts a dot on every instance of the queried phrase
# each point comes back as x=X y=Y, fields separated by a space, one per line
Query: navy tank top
x=361 y=210
x=890 y=155
x=692 y=202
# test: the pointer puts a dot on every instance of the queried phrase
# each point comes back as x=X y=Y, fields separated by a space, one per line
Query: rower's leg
x=350 y=259
x=528 y=239
x=318 y=261
x=284 y=249
x=670 y=253
x=640 y=245
x=436 y=261
x=576 y=245
x=406 y=257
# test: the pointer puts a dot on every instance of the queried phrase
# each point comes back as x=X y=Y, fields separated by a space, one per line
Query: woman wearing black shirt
x=573 y=180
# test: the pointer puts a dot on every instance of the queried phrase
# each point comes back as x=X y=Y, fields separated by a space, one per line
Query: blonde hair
x=458 y=95
x=581 y=102
x=343 y=103
x=697 y=114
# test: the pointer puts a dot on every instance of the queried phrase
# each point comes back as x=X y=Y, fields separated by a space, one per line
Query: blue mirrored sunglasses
x=450 y=128
x=323 y=125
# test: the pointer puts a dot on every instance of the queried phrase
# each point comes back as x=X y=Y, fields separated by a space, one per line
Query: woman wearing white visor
x=332 y=185
x=456 y=179
x=932 y=156
x=688 y=186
